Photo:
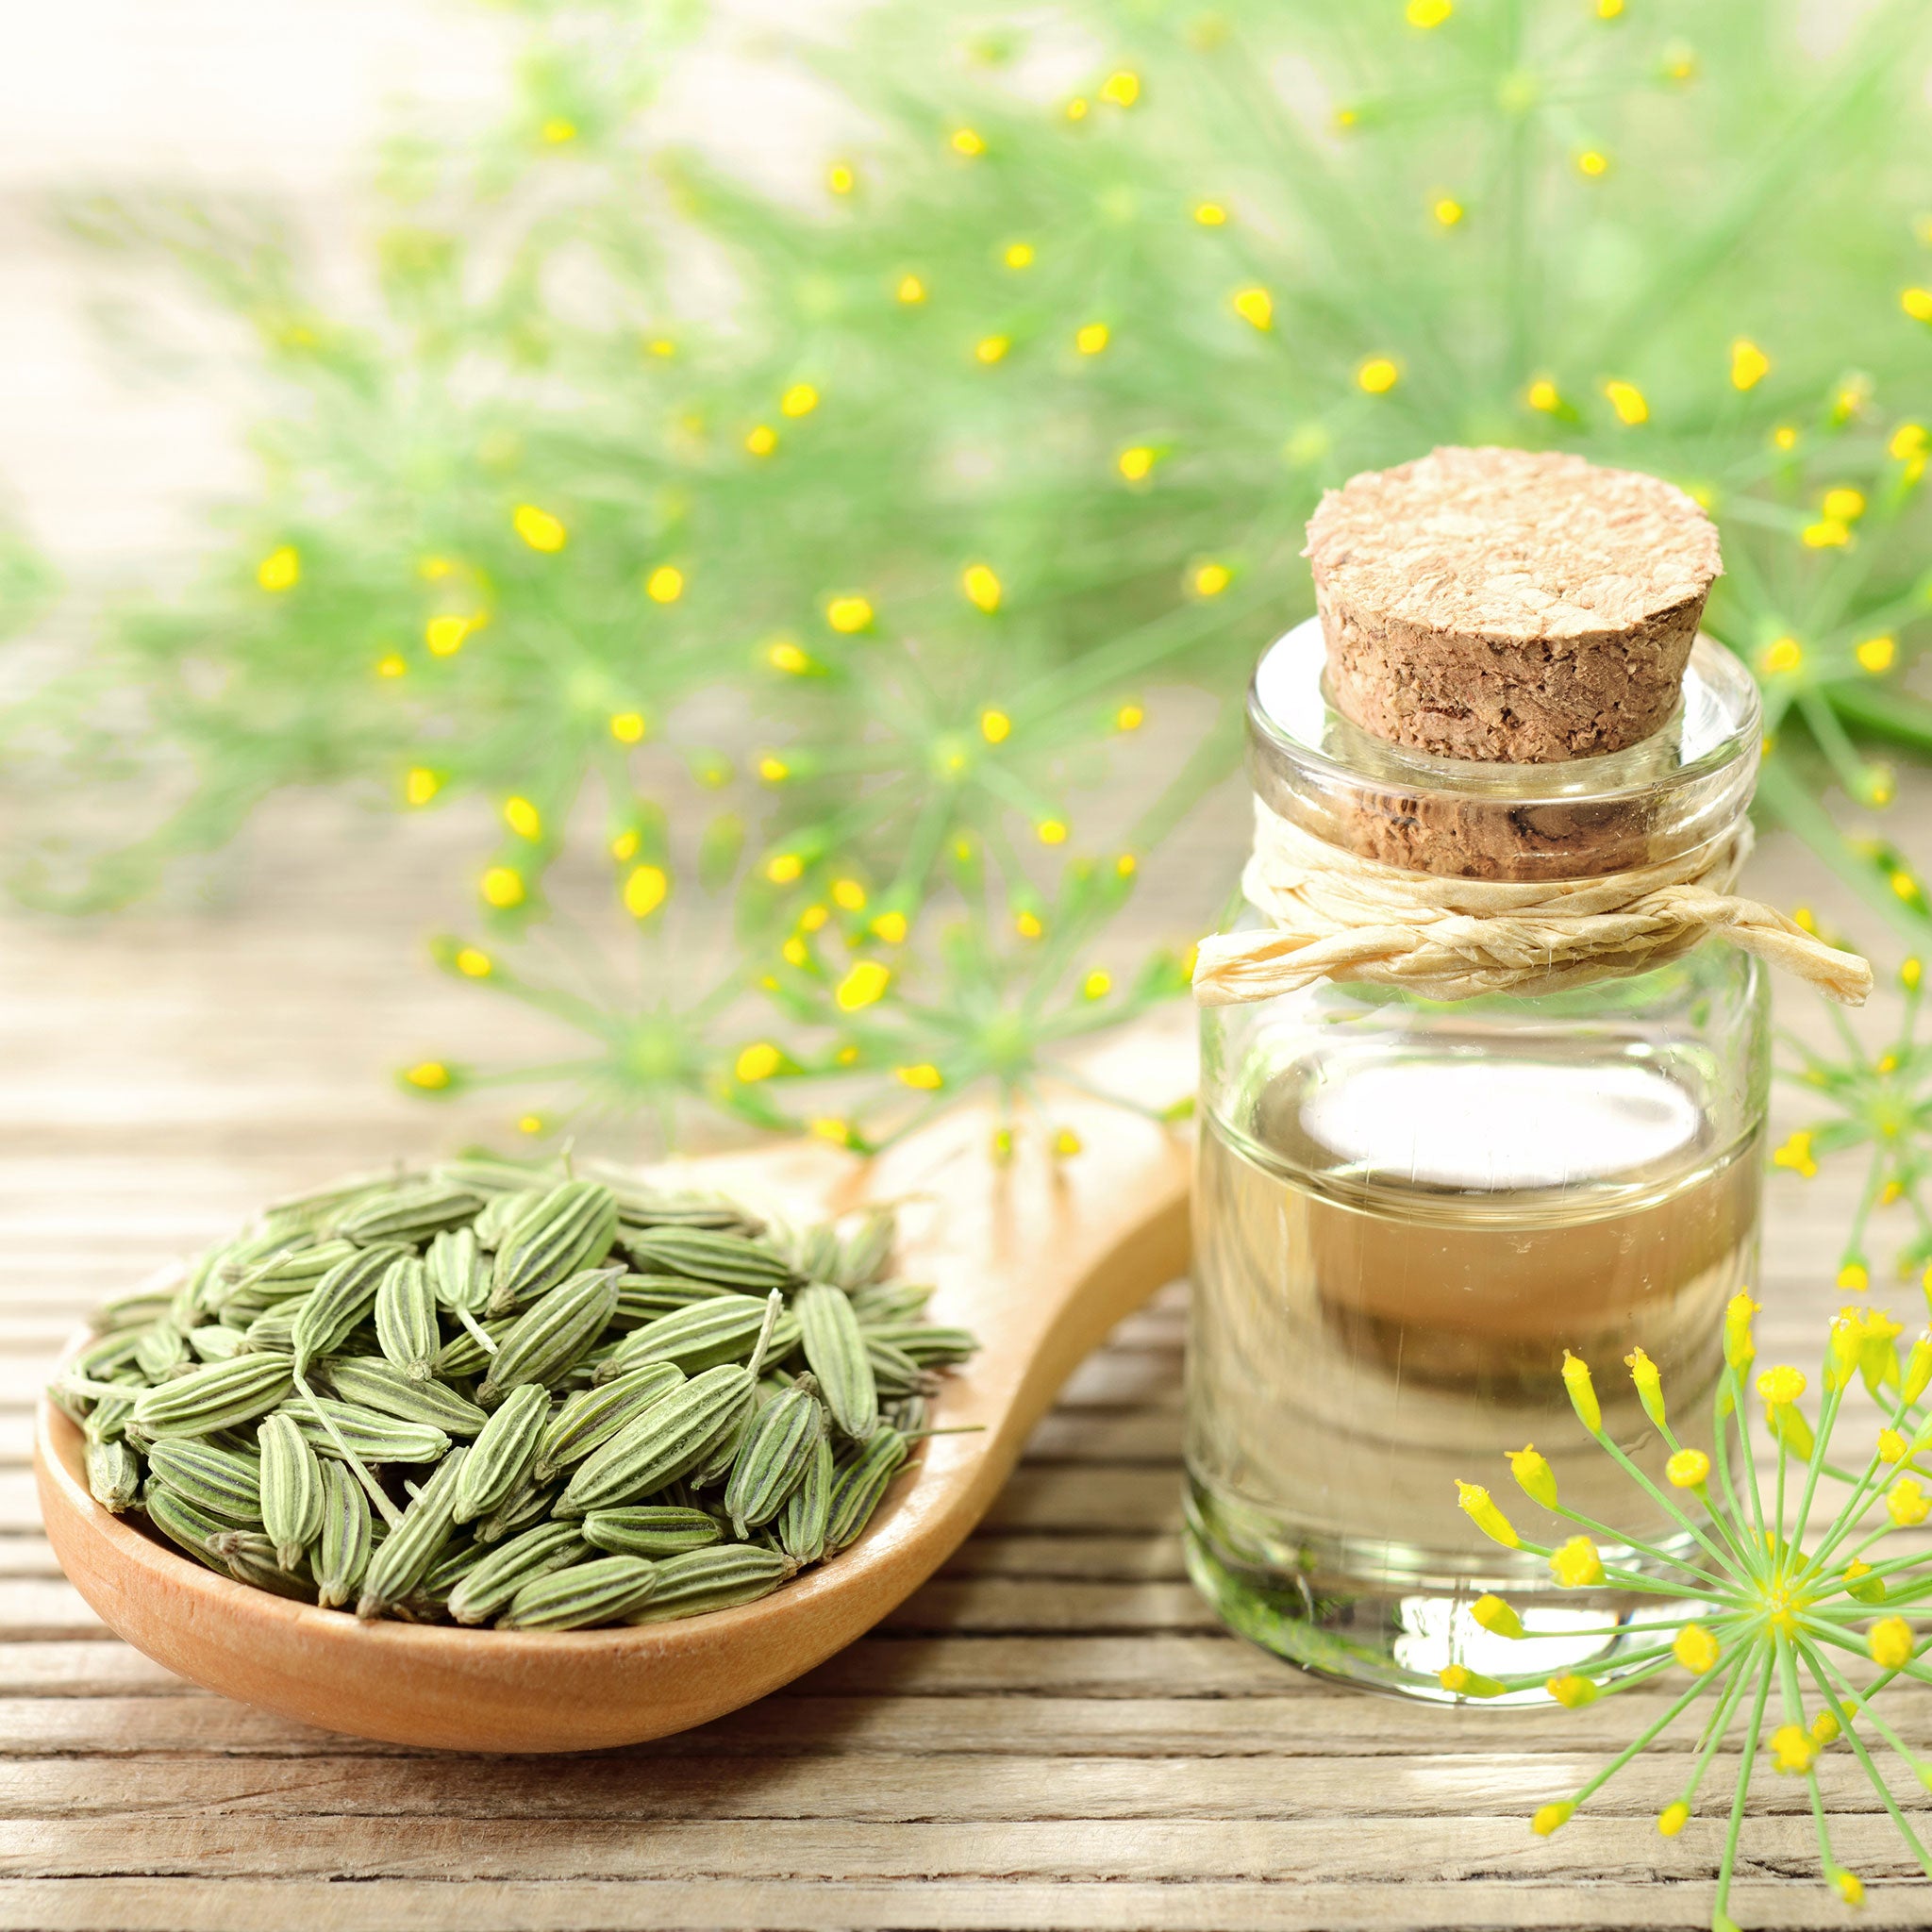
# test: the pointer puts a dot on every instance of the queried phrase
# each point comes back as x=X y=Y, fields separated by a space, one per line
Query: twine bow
x=1333 y=915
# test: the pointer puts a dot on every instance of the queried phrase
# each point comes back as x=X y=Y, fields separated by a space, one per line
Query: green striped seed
x=549 y=1337
x=343 y=1549
x=214 y=1397
x=250 y=1558
x=500 y=1459
x=409 y=1213
x=488 y=1177
x=407 y=1552
x=591 y=1417
x=835 y=1350
x=371 y=1437
x=294 y=1271
x=719 y=1329
x=929 y=1347
x=377 y=1384
x=529 y=1504
x=705 y=1255
x=652 y=1530
x=713 y=1579
x=458 y=1276
x=890 y=1301
x=213 y=1342
x=338 y=1302
x=866 y=1251
x=501 y=1212
x=406 y=1323
x=599 y=1592
x=105 y=1358
x=671 y=1436
x=645 y=1207
x=803 y=1521
x=113 y=1476
x=291 y=1488
x=193 y=1530
x=161 y=1348
x=134 y=1309
x=778 y=1448
x=468 y=1355
x=895 y=1374
x=567 y=1231
x=488 y=1587
x=643 y=1298
x=217 y=1481
x=273 y=1333
x=858 y=1487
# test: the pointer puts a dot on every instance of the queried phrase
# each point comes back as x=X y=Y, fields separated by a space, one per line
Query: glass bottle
x=1407 y=1209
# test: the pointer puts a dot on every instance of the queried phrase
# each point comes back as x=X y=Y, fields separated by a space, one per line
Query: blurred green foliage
x=814 y=549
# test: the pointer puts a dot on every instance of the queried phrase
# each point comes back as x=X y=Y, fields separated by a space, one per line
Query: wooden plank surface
x=1054 y=1733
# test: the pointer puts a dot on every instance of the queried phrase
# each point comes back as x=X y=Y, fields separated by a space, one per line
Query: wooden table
x=1054 y=1733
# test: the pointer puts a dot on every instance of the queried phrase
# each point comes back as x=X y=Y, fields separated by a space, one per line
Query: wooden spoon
x=1041 y=1258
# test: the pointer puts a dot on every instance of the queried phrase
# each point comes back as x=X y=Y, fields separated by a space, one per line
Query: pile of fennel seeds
x=494 y=1393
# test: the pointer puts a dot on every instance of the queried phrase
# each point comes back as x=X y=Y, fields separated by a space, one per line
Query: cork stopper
x=1509 y=606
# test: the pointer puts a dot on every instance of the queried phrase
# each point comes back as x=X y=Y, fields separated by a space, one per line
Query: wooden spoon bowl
x=1041 y=1258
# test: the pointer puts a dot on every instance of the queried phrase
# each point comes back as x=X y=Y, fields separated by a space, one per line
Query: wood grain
x=1051 y=1733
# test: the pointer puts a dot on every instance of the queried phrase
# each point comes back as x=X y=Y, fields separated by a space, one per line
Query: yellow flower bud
x=1780 y=1386
x=1891 y=1642
x=1689 y=1469
x=1674 y=1817
x=1552 y=1817
x=1695 y=1648
x=1739 y=1349
x=1496 y=1617
x=1533 y=1475
x=1792 y=1749
x=1824 y=1730
x=1582 y=1393
x=1850 y=1887
x=1464 y=1682
x=862 y=986
x=1571 y=1691
x=1918 y=1370
x=758 y=1061
x=1650 y=1387
x=1475 y=1503
x=1577 y=1564
x=1908 y=1503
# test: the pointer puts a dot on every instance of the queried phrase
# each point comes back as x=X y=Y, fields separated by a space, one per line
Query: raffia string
x=1336 y=916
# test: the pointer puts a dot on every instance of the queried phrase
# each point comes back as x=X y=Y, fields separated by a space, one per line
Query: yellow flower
x=1465 y=1682
x=539 y=528
x=1649 y=1385
x=1051 y=831
x=392 y=666
x=1792 y=1749
x=446 y=634
x=523 y=818
x=1582 y=1393
x=1542 y=396
x=1076 y=109
x=1093 y=338
x=773 y=771
x=1917 y=302
x=432 y=1076
x=965 y=142
x=1211 y=579
x=1377 y=375
x=557 y=130
x=503 y=887
x=1844 y=503
x=982 y=587
x=1552 y=1817
x=420 y=784
x=1781 y=655
x=762 y=440
x=661 y=346
x=473 y=963
x=1695 y=1648
x=794 y=952
x=1688 y=1469
x=1627 y=400
x=1592 y=161
x=1850 y=1887
x=1739 y=1349
x=1828 y=533
x=813 y=918
x=910 y=290
x=1126 y=865
x=995 y=726
x=1672 y=1817
x=1824 y=1730
x=1018 y=254
x=1129 y=718
x=1781 y=1386
x=1027 y=925
x=627 y=727
x=1875 y=655
x=829 y=1127
x=891 y=927
x=758 y=1061
x=530 y=1124
x=991 y=349
x=1254 y=306
x=848 y=615
x=1533 y=1475
x=1908 y=1503
x=925 y=1077
x=1750 y=365
x=1447 y=210
x=1427 y=13
x=840 y=178
x=1123 y=89
x=625 y=846
x=1571 y=1691
x=1794 y=1152
x=1475 y=1503
x=1135 y=464
x=1910 y=972
x=665 y=584
x=1575 y=1564
x=1891 y=1642
x=1908 y=439
x=1210 y=214
x=280 y=569
x=862 y=985
x=1609 y=9
x=783 y=653
x=1097 y=986
x=848 y=896
x=1855 y=1278
x=801 y=399
x=1496 y=1617
x=784 y=868
x=1066 y=1143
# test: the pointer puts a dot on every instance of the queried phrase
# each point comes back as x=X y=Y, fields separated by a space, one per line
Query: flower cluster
x=1012 y=428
